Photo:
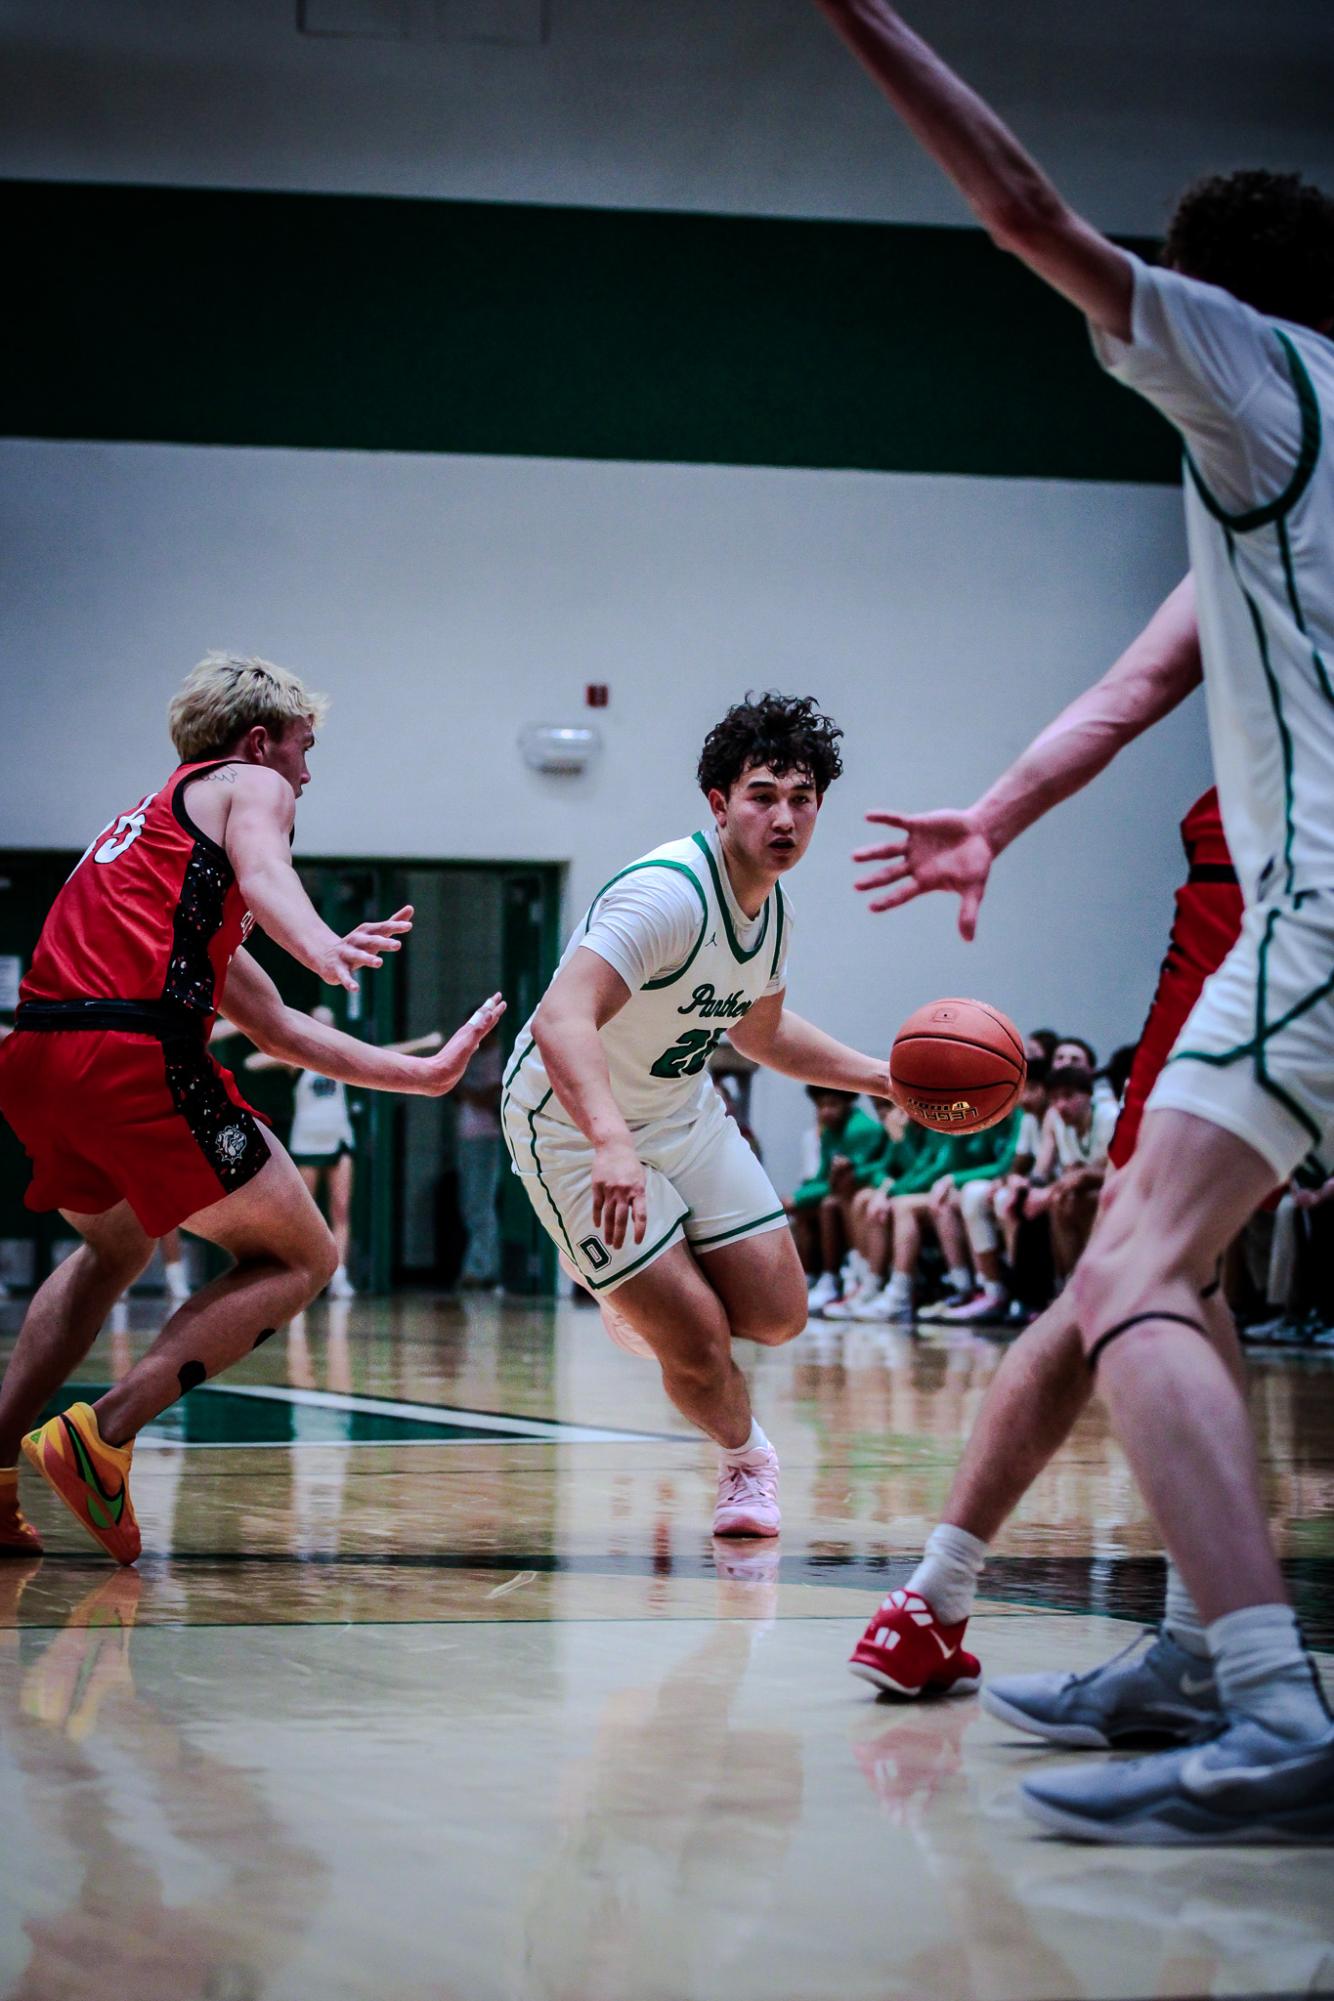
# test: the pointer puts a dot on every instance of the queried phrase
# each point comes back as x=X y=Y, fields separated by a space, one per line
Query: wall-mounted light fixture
x=568 y=748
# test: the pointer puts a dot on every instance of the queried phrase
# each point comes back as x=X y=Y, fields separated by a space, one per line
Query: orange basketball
x=957 y=1066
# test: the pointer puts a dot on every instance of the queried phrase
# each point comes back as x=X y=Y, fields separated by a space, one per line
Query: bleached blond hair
x=230 y=693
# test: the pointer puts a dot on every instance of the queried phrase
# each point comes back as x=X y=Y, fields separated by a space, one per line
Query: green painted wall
x=176 y=315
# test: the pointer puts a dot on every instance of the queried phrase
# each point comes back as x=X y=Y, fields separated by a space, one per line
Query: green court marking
x=232 y=1415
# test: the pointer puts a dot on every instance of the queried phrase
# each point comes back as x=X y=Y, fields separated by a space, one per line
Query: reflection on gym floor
x=431 y=1683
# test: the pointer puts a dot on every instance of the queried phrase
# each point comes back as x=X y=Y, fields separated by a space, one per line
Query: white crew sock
x=959 y=1278
x=755 y=1443
x=1181 y=1620
x=1264 y=1672
x=899 y=1289
x=994 y=1292
x=948 y=1572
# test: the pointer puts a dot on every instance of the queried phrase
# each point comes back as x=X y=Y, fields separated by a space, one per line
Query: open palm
x=939 y=851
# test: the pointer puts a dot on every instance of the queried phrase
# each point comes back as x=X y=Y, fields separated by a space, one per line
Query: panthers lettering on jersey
x=659 y=1045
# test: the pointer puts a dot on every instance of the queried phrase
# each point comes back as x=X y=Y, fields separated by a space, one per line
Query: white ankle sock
x=1181 y=1621
x=899 y=1288
x=1264 y=1672
x=754 y=1443
x=959 y=1278
x=948 y=1572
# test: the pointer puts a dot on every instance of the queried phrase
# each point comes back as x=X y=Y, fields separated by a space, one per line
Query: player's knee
x=118 y=1262
x=318 y=1260
x=701 y=1372
x=778 y=1322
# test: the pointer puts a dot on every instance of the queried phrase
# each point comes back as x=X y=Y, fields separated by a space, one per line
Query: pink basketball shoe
x=748 y=1495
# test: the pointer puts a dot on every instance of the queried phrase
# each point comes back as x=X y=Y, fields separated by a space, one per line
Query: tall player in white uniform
x=625 y=1149
x=1229 y=342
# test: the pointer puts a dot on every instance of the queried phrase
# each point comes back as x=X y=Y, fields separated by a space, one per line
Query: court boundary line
x=553 y=1431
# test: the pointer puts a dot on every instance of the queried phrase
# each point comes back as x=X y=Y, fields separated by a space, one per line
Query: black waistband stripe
x=1137 y=1320
x=165 y=1020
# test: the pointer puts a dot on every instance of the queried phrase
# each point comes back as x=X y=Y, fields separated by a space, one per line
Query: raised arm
x=772 y=1035
x=954 y=850
x=287 y=1036
x=253 y=809
x=584 y=996
x=1007 y=191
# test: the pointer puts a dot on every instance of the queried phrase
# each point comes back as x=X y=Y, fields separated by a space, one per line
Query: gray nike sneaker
x=1163 y=1694
x=1246 y=1785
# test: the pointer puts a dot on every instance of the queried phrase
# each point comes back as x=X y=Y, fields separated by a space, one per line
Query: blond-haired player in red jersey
x=131 y=1125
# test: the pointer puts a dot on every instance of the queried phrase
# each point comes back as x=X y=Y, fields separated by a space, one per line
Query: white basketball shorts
x=1257 y=1053
x=703 y=1184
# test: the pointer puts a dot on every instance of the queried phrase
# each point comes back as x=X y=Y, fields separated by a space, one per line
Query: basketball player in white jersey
x=649 y=1190
x=1227 y=339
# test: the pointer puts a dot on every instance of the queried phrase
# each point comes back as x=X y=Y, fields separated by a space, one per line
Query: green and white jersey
x=694 y=963
x=1252 y=398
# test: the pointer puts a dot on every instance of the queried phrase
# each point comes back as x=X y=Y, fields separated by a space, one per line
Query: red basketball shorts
x=109 y=1117
x=1206 y=926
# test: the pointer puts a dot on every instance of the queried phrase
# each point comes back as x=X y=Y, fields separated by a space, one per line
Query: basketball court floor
x=431 y=1683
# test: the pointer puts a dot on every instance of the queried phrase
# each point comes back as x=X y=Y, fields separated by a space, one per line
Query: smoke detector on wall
x=567 y=748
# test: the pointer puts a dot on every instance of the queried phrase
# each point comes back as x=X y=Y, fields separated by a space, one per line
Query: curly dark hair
x=1266 y=238
x=785 y=732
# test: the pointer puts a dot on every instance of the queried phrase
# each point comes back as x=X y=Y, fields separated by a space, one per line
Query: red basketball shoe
x=906 y=1650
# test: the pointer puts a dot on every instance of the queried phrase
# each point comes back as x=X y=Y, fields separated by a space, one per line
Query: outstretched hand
x=365 y=945
x=381 y=934
x=940 y=851
x=441 y=1073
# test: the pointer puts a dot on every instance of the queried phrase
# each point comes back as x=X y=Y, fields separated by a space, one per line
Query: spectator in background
x=1296 y=1242
x=1117 y=1070
x=477 y=1133
x=871 y=1224
x=1041 y=1043
x=921 y=1200
x=1018 y=1143
x=1073 y=1053
x=1072 y=1164
x=849 y=1143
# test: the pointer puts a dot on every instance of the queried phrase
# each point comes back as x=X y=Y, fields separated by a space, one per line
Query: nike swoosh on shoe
x=1201 y=1778
x=88 y=1472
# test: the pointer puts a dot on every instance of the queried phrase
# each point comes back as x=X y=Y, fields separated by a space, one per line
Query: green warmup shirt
x=963 y=1156
x=901 y=1156
x=862 y=1141
x=1001 y=1144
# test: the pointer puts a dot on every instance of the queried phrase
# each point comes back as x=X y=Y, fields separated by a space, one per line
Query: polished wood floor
x=431 y=1683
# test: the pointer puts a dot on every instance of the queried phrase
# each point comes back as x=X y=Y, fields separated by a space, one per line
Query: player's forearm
x=294 y=1038
x=576 y=1063
x=799 y=1049
x=286 y=914
x=1155 y=673
x=1005 y=188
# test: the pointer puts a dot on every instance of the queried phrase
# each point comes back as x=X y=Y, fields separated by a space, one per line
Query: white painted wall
x=727 y=105
x=444 y=602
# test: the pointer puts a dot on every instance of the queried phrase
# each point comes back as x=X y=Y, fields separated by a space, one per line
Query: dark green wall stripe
x=335 y=321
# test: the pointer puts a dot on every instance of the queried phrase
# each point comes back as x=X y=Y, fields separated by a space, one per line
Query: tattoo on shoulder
x=224 y=775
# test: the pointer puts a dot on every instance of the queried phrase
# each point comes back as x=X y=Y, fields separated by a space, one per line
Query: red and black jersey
x=1204 y=930
x=152 y=912
x=1209 y=901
